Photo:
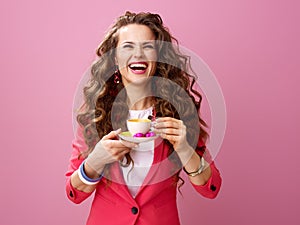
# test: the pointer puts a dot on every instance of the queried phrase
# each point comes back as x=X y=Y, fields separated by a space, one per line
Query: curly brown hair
x=101 y=90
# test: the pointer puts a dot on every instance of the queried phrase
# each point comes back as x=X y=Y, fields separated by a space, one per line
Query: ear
x=116 y=61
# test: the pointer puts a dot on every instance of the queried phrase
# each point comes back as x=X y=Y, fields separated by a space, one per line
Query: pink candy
x=138 y=135
x=148 y=134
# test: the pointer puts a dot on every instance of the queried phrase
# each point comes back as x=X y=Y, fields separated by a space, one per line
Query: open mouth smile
x=138 y=67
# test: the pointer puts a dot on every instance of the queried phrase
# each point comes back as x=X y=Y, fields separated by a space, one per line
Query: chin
x=140 y=80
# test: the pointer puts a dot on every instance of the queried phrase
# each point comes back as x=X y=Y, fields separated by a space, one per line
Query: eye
x=127 y=46
x=149 y=46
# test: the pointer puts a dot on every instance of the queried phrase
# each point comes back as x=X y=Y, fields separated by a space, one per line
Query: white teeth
x=138 y=65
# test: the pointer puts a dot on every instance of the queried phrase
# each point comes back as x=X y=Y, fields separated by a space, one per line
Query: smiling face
x=136 y=53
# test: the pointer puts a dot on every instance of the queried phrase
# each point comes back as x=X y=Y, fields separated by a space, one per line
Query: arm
x=72 y=179
x=76 y=190
x=212 y=187
x=208 y=182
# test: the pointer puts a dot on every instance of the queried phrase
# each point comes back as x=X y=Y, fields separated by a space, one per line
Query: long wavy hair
x=100 y=92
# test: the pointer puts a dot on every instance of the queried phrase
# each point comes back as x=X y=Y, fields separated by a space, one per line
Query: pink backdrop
x=251 y=46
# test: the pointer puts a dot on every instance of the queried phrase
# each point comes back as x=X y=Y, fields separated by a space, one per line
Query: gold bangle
x=198 y=171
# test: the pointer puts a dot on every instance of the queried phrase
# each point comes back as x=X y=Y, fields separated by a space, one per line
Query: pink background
x=252 y=47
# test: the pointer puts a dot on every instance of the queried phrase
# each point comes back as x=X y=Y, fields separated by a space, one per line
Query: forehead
x=135 y=33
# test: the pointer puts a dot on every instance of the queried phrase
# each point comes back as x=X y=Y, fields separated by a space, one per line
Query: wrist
x=185 y=154
x=85 y=178
x=90 y=172
x=198 y=171
x=93 y=164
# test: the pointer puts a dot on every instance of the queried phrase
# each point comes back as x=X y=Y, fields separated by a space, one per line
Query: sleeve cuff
x=212 y=186
x=75 y=195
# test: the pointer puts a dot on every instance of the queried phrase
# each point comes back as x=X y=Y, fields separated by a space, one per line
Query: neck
x=142 y=104
x=139 y=96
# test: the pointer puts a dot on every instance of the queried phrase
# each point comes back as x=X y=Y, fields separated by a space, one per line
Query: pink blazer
x=155 y=202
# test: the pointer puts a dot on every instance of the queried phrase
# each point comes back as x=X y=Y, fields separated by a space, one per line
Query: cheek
x=151 y=56
x=122 y=58
x=153 y=59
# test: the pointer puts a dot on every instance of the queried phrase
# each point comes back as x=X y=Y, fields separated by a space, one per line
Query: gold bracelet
x=198 y=171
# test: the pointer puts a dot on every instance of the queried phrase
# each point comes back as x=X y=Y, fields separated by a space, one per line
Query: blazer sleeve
x=213 y=185
x=78 y=146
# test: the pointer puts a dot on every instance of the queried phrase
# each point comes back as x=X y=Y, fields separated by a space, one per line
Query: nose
x=138 y=53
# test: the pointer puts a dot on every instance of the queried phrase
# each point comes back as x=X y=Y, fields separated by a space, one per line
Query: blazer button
x=213 y=187
x=134 y=210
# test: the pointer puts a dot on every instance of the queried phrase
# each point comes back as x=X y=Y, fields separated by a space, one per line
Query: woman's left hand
x=173 y=130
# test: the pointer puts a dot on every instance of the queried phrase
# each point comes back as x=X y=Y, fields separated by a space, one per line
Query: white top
x=142 y=157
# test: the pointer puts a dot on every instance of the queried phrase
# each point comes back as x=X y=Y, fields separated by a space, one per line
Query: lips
x=138 y=67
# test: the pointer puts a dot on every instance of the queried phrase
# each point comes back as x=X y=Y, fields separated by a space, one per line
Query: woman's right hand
x=108 y=150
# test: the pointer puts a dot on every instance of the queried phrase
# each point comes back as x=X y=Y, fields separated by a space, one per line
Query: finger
x=169 y=122
x=169 y=137
x=164 y=118
x=121 y=157
x=115 y=152
x=119 y=144
x=128 y=144
x=113 y=134
x=124 y=152
x=169 y=131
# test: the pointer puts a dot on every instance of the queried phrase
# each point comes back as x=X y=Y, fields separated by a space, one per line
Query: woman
x=139 y=74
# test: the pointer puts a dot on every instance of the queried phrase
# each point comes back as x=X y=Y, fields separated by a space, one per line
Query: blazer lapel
x=118 y=183
x=160 y=169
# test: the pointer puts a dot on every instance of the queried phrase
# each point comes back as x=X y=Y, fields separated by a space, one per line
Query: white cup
x=138 y=126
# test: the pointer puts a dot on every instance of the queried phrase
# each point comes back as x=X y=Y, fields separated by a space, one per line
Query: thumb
x=112 y=134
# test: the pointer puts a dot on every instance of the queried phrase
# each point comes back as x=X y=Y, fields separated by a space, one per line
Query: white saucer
x=127 y=136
